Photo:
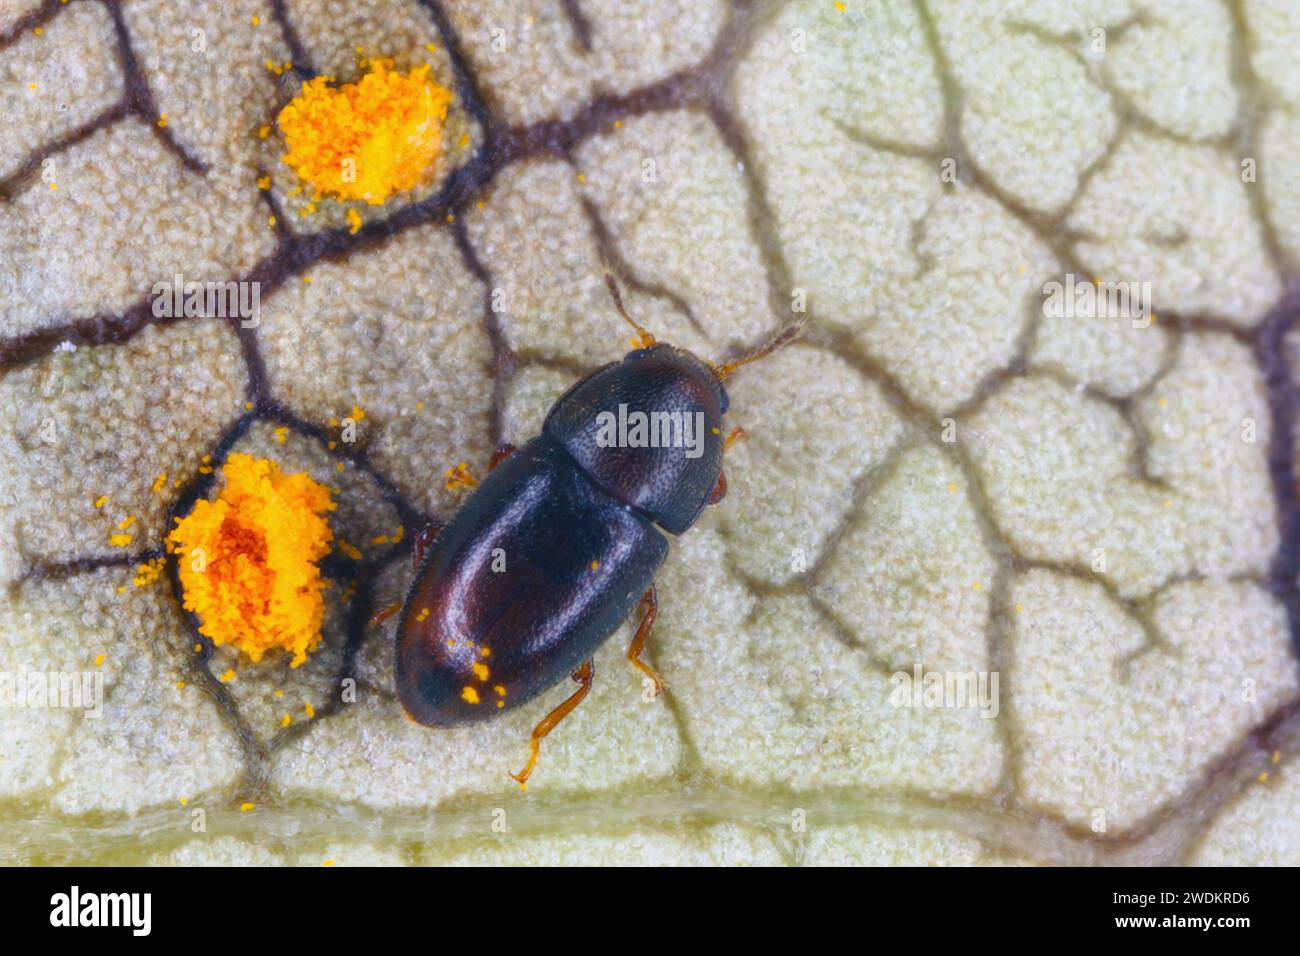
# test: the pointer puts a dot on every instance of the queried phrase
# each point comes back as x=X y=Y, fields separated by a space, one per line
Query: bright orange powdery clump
x=368 y=139
x=253 y=580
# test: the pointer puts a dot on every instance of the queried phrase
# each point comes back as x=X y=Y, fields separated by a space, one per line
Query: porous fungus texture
x=366 y=140
x=248 y=560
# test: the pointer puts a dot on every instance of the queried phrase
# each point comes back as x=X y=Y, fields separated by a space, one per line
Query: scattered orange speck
x=481 y=672
x=180 y=685
x=263 y=183
x=101 y=501
x=469 y=695
x=581 y=178
x=976 y=585
x=160 y=482
x=379 y=539
x=198 y=648
x=460 y=477
x=120 y=540
x=354 y=220
x=1020 y=608
x=595 y=565
x=486 y=651
x=327 y=863
x=618 y=124
x=245 y=807
x=423 y=615
x=162 y=121
x=40 y=31
x=952 y=486
x=1277 y=757
x=228 y=676
x=185 y=801
x=99 y=660
x=340 y=466
x=256 y=21
x=431 y=47
x=358 y=413
x=349 y=550
x=399 y=534
x=1263 y=777
x=279 y=693
x=311 y=711
x=264 y=131
x=148 y=572
x=31 y=86
x=333 y=444
x=126 y=522
x=500 y=689
x=264 y=534
x=286 y=720
x=248 y=406
x=205 y=469
x=270 y=220
x=419 y=406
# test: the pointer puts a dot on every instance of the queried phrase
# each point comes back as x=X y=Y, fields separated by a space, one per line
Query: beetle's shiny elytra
x=558 y=544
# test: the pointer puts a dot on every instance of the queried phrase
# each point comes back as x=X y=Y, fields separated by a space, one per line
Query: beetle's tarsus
x=650 y=600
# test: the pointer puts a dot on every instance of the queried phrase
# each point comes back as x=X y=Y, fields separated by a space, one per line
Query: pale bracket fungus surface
x=941 y=477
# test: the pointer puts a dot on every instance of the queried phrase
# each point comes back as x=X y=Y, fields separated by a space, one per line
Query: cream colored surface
x=938 y=476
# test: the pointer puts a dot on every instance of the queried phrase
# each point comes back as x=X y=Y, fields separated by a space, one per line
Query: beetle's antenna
x=644 y=338
x=778 y=341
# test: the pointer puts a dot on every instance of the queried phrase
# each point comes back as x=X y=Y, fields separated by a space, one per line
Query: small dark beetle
x=553 y=550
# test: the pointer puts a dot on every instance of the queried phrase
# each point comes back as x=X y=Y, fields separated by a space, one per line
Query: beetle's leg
x=423 y=538
x=385 y=612
x=583 y=675
x=651 y=601
x=719 y=489
x=501 y=454
x=419 y=545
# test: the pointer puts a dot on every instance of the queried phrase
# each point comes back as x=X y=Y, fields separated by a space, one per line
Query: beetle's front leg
x=720 y=487
x=651 y=602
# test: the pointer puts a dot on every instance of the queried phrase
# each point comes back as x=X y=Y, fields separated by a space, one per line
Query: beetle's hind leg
x=584 y=676
x=650 y=600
